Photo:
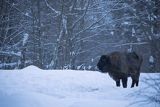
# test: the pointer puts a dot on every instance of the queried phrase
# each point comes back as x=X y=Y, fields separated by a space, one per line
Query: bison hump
x=115 y=58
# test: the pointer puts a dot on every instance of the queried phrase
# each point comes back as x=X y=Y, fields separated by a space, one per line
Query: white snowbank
x=61 y=88
x=31 y=68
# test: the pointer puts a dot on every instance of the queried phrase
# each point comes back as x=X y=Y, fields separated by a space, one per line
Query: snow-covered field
x=33 y=87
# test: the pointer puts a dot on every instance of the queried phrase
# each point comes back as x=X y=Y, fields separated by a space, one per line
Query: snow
x=8 y=64
x=54 y=10
x=27 y=14
x=133 y=32
x=25 y=38
x=9 y=53
x=151 y=59
x=112 y=33
x=33 y=87
x=64 y=21
x=125 y=23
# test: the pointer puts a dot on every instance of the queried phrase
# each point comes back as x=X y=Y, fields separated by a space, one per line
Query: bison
x=120 y=66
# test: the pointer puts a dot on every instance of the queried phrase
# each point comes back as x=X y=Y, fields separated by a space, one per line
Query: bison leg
x=137 y=80
x=118 y=83
x=137 y=83
x=133 y=82
x=124 y=82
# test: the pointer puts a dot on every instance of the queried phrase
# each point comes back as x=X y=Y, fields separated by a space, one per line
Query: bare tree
x=12 y=31
x=73 y=34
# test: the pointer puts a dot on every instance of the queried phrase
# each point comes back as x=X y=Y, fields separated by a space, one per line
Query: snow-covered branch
x=13 y=6
x=53 y=10
x=10 y=53
x=94 y=23
x=81 y=17
x=126 y=44
x=105 y=14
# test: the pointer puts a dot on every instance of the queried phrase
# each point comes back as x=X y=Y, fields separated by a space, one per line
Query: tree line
x=73 y=34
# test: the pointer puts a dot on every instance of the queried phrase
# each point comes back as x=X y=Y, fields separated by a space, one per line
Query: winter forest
x=73 y=34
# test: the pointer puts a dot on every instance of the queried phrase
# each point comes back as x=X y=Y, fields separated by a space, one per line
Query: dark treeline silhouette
x=73 y=34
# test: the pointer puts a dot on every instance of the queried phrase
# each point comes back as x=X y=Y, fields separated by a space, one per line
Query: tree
x=73 y=34
x=12 y=30
x=139 y=25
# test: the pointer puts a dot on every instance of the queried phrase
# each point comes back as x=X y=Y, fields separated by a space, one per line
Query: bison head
x=103 y=64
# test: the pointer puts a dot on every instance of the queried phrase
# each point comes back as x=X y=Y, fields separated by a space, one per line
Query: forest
x=73 y=34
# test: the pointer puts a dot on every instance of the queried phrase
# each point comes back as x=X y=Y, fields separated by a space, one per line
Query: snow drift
x=33 y=87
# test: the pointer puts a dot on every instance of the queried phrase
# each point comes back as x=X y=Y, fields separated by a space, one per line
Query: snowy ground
x=32 y=87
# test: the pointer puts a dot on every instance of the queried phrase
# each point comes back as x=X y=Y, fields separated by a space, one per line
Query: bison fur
x=120 y=66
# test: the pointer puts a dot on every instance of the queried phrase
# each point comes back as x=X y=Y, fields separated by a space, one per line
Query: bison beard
x=120 y=66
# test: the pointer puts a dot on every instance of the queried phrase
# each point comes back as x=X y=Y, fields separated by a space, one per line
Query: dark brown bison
x=120 y=66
